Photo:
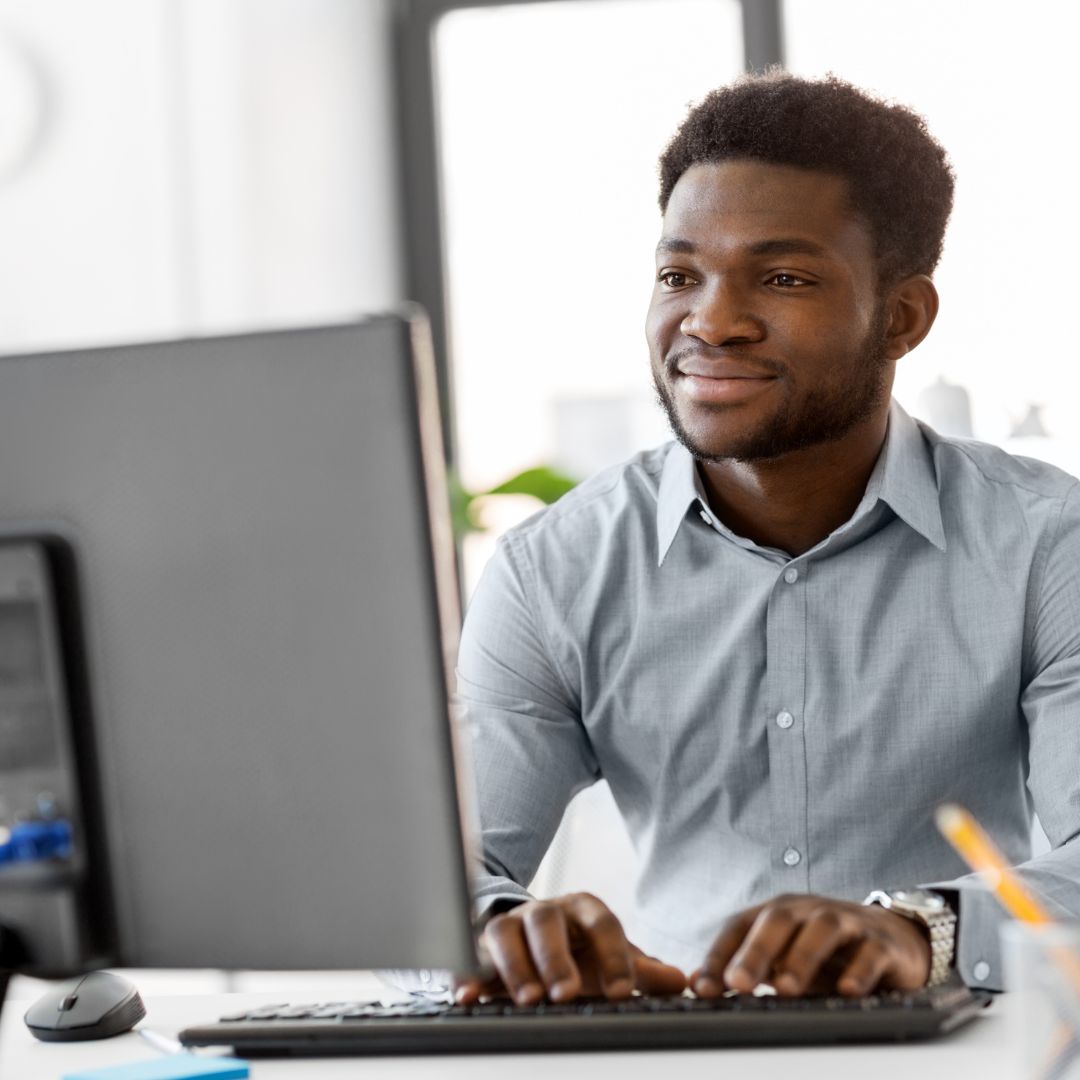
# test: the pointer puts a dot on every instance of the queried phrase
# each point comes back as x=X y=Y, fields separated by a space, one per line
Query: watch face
x=919 y=898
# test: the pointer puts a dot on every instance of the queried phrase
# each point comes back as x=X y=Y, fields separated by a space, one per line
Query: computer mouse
x=92 y=1007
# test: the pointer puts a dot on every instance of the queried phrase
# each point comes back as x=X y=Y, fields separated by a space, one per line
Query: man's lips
x=719 y=369
x=720 y=382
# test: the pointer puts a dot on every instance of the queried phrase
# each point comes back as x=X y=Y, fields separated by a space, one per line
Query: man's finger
x=469 y=991
x=549 y=942
x=652 y=976
x=708 y=980
x=607 y=944
x=863 y=972
x=504 y=937
x=766 y=940
x=823 y=932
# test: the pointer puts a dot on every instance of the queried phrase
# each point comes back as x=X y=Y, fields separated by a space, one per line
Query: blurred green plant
x=543 y=483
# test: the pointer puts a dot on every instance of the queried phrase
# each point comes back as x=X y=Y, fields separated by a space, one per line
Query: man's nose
x=722 y=315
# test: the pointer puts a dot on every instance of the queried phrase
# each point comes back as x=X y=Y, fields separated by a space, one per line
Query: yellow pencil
x=982 y=855
x=973 y=845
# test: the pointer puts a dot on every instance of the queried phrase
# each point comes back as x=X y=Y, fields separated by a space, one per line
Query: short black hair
x=899 y=176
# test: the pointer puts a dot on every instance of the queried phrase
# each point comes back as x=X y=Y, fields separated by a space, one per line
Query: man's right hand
x=564 y=948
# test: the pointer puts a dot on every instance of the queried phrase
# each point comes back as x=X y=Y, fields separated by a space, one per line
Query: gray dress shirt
x=774 y=725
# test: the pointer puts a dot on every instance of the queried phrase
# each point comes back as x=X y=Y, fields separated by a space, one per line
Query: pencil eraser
x=173 y=1067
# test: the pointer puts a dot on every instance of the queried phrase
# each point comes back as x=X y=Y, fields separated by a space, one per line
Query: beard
x=826 y=414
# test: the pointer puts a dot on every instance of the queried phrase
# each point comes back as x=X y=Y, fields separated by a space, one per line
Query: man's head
x=801 y=223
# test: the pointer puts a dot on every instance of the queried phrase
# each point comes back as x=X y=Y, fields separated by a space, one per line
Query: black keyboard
x=427 y=1027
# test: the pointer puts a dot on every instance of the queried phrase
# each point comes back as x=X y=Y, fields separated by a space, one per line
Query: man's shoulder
x=997 y=473
x=599 y=505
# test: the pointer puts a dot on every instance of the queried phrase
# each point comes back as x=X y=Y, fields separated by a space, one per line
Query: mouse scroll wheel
x=68 y=1002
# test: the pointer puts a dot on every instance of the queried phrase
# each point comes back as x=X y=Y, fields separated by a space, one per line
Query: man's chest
x=868 y=663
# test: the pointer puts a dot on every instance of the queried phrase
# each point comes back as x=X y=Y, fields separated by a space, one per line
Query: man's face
x=766 y=329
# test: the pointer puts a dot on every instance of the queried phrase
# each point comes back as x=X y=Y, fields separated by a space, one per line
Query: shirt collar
x=904 y=478
x=678 y=489
x=909 y=479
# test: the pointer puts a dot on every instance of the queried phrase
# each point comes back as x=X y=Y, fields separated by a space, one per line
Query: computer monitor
x=227 y=612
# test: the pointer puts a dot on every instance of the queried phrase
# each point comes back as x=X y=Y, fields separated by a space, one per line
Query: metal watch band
x=941 y=926
x=942 y=929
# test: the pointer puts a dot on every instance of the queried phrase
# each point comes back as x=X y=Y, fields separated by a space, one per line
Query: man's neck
x=795 y=501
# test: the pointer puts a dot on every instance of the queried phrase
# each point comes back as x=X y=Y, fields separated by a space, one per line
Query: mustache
x=763 y=364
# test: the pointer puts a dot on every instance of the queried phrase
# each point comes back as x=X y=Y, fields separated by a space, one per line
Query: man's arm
x=531 y=755
x=1050 y=704
x=530 y=751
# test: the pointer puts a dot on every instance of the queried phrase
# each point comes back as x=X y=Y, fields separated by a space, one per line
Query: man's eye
x=673 y=279
x=787 y=281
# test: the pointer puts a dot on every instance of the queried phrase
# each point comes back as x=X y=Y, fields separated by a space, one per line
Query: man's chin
x=731 y=445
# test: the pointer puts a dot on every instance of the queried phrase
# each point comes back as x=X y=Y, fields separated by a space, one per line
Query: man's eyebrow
x=674 y=245
x=794 y=246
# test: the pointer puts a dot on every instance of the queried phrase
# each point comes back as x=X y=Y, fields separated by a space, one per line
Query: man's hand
x=812 y=944
x=563 y=948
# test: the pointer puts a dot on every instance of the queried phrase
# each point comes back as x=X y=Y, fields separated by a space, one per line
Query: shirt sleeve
x=530 y=751
x=1050 y=704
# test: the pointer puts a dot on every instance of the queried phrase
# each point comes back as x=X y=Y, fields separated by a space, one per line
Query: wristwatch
x=930 y=910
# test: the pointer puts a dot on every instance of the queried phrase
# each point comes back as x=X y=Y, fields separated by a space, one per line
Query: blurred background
x=182 y=167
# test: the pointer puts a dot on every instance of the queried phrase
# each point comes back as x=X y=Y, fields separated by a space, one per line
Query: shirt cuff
x=978 y=945
x=488 y=905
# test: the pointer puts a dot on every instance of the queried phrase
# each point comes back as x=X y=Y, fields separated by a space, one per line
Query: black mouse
x=92 y=1007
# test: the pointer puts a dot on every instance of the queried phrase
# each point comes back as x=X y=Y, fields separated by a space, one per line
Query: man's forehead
x=777 y=209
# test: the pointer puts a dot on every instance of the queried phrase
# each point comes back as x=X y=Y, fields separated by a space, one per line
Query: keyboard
x=423 y=1026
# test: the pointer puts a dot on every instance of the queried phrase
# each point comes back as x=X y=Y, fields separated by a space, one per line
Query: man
x=787 y=637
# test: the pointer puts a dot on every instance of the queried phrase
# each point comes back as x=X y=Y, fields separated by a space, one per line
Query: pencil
x=982 y=855
x=976 y=848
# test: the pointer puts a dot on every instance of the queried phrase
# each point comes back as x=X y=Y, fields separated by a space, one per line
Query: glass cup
x=1042 y=970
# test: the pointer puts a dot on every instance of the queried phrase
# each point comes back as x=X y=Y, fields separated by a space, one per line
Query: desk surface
x=982 y=1049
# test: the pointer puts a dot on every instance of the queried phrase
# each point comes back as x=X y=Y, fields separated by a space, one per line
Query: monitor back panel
x=253 y=534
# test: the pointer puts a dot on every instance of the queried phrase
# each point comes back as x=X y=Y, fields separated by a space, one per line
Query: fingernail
x=561 y=990
x=529 y=992
x=705 y=985
x=786 y=984
x=620 y=987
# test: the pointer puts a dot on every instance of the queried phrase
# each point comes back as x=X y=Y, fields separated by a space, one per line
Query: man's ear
x=913 y=306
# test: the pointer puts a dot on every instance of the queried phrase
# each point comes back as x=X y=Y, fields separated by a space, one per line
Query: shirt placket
x=785 y=695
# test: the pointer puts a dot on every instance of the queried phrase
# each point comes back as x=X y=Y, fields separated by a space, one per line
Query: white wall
x=197 y=165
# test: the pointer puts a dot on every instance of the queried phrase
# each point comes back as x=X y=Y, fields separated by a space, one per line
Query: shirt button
x=784 y=719
x=981 y=970
x=705 y=517
x=792 y=857
x=791 y=575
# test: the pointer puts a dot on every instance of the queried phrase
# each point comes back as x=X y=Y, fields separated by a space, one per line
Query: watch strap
x=940 y=927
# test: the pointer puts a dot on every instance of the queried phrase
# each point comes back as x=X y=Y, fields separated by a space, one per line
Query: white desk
x=980 y=1051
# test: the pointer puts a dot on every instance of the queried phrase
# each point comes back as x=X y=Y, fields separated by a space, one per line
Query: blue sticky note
x=173 y=1067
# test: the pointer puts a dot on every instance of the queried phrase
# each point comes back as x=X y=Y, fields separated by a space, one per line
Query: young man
x=786 y=637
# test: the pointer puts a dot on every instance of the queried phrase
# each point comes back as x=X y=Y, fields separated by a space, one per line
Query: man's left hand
x=812 y=944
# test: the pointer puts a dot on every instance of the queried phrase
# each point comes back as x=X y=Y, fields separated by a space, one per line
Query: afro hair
x=899 y=178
